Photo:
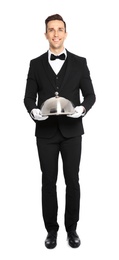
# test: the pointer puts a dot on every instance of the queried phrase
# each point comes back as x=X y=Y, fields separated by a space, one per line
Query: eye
x=61 y=29
x=50 y=30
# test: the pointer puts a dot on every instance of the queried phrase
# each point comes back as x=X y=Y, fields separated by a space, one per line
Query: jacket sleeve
x=87 y=88
x=31 y=90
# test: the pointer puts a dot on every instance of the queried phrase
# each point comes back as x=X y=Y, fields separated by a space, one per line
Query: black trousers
x=48 y=151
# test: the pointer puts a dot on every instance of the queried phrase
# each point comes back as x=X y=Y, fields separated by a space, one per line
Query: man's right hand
x=36 y=114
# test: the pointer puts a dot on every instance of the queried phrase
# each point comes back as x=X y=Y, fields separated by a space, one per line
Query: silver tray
x=57 y=106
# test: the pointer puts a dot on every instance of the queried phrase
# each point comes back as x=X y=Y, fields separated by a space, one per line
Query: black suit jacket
x=41 y=87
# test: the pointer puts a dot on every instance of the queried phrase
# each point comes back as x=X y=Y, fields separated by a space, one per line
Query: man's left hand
x=79 y=111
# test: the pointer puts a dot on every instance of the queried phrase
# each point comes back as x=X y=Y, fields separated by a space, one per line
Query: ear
x=66 y=35
x=46 y=35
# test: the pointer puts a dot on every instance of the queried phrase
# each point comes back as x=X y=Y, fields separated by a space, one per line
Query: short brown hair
x=54 y=17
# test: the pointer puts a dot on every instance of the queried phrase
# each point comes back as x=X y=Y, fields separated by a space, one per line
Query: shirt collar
x=49 y=53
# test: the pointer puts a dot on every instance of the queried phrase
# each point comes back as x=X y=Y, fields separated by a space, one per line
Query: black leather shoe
x=73 y=239
x=51 y=240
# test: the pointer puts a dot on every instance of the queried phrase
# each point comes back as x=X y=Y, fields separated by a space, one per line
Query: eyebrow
x=51 y=28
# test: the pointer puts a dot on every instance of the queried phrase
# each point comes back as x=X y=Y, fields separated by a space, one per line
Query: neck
x=56 y=51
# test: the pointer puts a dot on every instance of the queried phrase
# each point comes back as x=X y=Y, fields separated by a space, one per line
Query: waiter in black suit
x=60 y=71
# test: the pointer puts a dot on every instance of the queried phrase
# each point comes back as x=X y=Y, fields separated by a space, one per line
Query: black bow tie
x=61 y=57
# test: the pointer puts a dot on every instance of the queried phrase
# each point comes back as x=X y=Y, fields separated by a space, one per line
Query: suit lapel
x=47 y=68
x=68 y=71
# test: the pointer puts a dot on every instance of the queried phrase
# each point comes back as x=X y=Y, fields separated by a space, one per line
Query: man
x=67 y=74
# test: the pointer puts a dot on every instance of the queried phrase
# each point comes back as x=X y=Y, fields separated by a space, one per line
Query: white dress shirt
x=56 y=64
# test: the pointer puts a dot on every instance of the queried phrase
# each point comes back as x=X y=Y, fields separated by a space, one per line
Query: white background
x=93 y=33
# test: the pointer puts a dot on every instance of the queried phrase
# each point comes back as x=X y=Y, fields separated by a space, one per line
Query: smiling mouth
x=56 y=40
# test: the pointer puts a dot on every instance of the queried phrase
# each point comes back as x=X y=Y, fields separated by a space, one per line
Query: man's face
x=56 y=35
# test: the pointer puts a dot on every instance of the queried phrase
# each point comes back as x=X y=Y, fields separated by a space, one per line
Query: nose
x=56 y=33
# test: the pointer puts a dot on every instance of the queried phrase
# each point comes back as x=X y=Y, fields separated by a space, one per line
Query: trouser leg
x=48 y=156
x=71 y=154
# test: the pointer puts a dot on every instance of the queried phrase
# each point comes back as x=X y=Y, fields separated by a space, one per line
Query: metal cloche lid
x=57 y=106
